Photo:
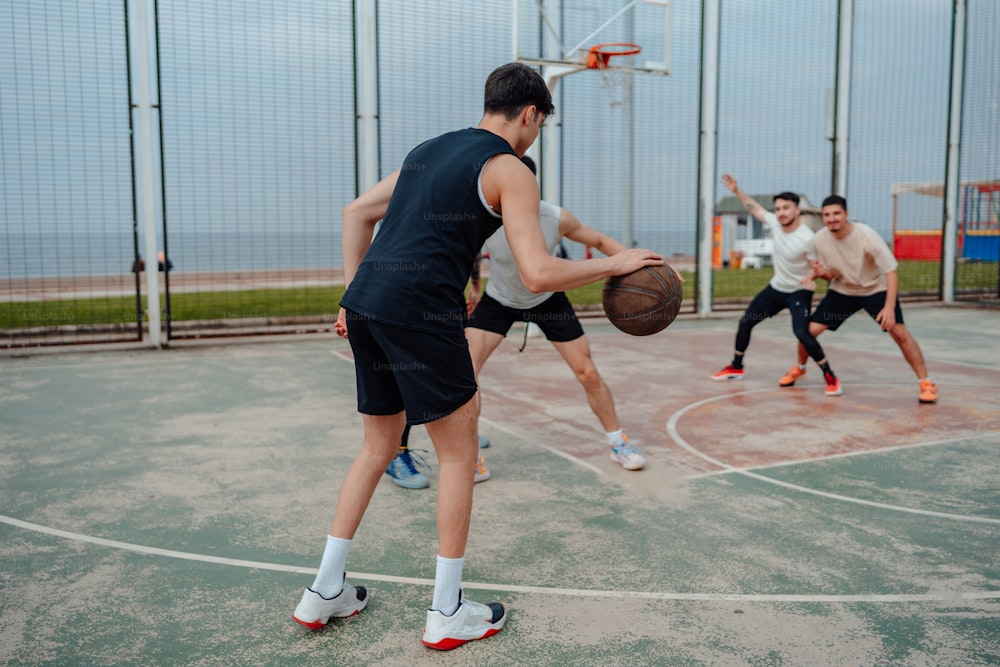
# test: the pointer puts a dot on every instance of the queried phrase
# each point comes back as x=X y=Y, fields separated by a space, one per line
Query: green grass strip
x=915 y=277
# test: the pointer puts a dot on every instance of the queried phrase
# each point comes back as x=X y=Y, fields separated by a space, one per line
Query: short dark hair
x=835 y=200
x=511 y=87
x=530 y=164
x=787 y=196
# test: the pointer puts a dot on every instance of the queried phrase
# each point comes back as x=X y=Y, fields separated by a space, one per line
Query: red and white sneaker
x=833 y=387
x=471 y=621
x=315 y=611
x=729 y=373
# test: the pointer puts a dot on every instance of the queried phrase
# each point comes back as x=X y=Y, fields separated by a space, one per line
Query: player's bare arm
x=360 y=218
x=809 y=280
x=510 y=187
x=571 y=228
x=749 y=203
x=821 y=270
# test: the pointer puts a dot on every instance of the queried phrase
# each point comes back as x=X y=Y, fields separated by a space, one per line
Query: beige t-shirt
x=862 y=258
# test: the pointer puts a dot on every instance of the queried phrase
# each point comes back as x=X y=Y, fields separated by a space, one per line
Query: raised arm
x=508 y=182
x=749 y=203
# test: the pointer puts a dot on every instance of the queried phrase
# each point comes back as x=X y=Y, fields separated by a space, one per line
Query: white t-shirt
x=505 y=281
x=862 y=258
x=793 y=254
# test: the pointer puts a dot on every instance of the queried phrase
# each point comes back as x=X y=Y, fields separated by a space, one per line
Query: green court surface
x=167 y=507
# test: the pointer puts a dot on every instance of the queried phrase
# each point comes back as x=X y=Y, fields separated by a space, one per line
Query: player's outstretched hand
x=633 y=259
x=730 y=183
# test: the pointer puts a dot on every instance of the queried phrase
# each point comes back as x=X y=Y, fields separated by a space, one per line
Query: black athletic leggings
x=768 y=303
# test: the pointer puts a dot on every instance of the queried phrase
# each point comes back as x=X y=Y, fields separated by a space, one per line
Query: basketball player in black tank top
x=403 y=312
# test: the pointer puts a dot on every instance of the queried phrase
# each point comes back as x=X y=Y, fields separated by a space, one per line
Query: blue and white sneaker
x=628 y=456
x=403 y=469
x=483 y=442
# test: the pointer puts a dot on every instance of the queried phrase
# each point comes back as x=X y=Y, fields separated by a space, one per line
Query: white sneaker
x=628 y=456
x=470 y=621
x=314 y=610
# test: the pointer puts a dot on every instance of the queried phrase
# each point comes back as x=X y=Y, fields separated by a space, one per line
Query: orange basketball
x=644 y=302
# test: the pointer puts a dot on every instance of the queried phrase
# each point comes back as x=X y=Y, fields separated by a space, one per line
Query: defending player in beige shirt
x=862 y=274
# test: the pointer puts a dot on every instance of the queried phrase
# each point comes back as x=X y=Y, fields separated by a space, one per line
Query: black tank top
x=415 y=272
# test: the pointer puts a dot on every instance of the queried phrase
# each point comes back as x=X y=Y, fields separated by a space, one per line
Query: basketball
x=643 y=302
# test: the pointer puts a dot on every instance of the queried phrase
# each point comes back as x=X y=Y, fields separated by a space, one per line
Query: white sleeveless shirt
x=505 y=281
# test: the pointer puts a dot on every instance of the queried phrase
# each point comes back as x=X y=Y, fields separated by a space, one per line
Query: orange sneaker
x=789 y=378
x=833 y=387
x=928 y=392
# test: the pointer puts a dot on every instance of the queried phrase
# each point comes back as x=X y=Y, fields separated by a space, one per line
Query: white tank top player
x=505 y=281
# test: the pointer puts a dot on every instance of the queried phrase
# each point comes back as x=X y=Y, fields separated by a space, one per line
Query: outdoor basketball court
x=168 y=507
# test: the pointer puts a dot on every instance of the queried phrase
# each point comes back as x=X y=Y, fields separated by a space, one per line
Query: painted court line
x=950 y=598
x=672 y=431
x=534 y=441
x=830 y=457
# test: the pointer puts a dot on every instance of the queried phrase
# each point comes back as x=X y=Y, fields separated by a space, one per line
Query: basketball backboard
x=561 y=33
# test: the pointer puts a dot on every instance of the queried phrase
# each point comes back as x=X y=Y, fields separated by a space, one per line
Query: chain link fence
x=256 y=147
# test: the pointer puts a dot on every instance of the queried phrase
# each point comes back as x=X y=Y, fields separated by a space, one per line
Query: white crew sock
x=330 y=579
x=615 y=437
x=447 y=584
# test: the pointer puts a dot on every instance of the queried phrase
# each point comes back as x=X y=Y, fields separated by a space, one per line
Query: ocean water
x=40 y=255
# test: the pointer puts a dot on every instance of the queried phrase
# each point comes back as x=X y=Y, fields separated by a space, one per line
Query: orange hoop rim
x=600 y=55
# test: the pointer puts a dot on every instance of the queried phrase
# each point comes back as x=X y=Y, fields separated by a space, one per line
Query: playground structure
x=978 y=224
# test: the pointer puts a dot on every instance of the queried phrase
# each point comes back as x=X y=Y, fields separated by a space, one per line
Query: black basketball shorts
x=429 y=375
x=835 y=308
x=554 y=316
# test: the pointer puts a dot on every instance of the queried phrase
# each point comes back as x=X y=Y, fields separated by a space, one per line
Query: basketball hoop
x=600 y=55
x=617 y=83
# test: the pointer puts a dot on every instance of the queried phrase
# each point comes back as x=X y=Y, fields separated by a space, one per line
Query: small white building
x=742 y=233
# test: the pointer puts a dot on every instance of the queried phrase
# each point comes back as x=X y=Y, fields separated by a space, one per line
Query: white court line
x=534 y=441
x=950 y=598
x=521 y=436
x=830 y=457
x=672 y=430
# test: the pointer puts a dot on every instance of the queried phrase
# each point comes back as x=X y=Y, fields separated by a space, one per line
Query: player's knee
x=587 y=375
x=899 y=333
x=801 y=332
